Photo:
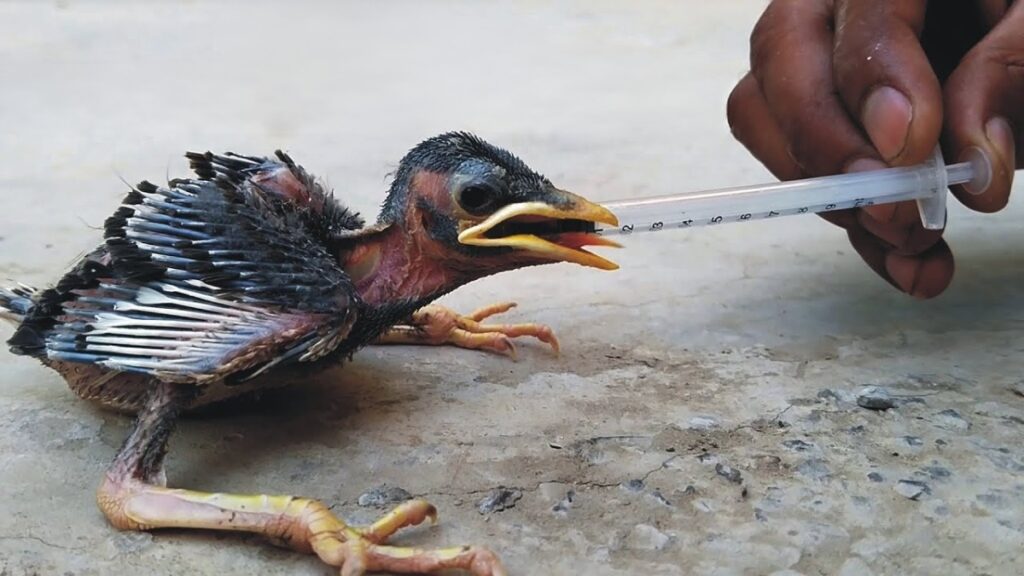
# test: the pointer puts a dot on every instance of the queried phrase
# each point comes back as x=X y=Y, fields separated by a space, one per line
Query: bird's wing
x=205 y=281
x=280 y=177
x=285 y=179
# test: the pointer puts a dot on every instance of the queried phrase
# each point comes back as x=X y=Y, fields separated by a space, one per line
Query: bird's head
x=480 y=208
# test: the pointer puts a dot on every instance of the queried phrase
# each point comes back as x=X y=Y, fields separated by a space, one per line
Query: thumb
x=984 y=113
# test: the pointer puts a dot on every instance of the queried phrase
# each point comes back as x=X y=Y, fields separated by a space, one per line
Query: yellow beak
x=556 y=245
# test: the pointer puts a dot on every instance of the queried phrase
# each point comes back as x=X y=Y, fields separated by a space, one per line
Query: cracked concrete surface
x=703 y=416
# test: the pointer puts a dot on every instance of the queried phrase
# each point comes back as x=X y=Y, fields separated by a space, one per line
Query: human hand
x=847 y=85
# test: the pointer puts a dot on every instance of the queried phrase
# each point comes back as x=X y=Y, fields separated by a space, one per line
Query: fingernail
x=881 y=213
x=921 y=276
x=904 y=271
x=982 y=165
x=865 y=165
x=886 y=116
x=1000 y=134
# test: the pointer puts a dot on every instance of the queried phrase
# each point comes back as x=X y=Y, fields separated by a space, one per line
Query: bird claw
x=408 y=513
x=437 y=325
x=485 y=312
x=358 y=550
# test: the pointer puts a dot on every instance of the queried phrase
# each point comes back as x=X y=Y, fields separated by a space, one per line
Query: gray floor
x=718 y=367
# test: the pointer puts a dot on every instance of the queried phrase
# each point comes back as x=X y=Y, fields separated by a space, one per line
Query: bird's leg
x=436 y=325
x=133 y=497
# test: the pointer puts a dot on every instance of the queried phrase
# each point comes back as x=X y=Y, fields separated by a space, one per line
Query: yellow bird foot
x=304 y=524
x=436 y=325
x=365 y=551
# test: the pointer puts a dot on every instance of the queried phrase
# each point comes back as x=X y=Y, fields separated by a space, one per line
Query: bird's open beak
x=557 y=233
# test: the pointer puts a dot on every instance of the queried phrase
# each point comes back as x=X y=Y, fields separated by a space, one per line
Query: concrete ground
x=702 y=418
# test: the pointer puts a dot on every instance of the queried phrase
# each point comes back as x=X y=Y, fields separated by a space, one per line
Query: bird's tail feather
x=16 y=302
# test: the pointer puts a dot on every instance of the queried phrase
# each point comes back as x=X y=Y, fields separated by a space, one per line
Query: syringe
x=926 y=183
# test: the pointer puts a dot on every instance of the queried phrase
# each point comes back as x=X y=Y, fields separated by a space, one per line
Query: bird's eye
x=477 y=199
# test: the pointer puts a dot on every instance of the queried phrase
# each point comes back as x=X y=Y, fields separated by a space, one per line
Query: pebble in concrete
x=383 y=496
x=499 y=499
x=911 y=489
x=913 y=441
x=660 y=498
x=647 y=537
x=814 y=468
x=875 y=398
x=950 y=419
x=729 y=473
x=634 y=486
x=702 y=423
x=798 y=445
x=938 y=472
x=562 y=506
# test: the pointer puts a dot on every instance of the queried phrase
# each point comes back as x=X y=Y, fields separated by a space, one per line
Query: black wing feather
x=205 y=280
x=280 y=177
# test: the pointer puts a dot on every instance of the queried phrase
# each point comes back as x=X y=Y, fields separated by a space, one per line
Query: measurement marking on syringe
x=925 y=183
x=689 y=219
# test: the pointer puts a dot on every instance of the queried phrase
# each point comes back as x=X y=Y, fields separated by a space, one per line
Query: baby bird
x=210 y=287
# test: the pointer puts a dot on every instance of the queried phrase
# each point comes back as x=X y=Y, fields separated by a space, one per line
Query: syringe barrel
x=778 y=199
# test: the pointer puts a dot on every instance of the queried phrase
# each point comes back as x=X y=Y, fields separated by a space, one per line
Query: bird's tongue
x=577 y=240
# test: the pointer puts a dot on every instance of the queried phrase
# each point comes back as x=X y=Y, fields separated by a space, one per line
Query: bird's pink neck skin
x=403 y=262
x=392 y=266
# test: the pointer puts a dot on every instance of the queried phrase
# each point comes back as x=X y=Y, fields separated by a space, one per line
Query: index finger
x=885 y=79
x=791 y=57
